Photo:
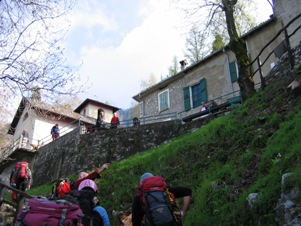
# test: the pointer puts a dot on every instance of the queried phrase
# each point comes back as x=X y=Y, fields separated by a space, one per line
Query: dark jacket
x=137 y=209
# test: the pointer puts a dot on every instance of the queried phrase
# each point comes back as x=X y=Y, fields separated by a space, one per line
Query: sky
x=119 y=43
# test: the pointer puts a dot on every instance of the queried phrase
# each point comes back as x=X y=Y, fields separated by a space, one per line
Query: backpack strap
x=63 y=217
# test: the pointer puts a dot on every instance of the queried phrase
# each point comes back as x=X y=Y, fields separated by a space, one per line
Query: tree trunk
x=238 y=47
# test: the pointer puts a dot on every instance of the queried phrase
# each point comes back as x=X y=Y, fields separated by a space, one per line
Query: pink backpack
x=42 y=211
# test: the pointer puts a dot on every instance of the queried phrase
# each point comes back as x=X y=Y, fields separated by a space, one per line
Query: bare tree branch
x=31 y=48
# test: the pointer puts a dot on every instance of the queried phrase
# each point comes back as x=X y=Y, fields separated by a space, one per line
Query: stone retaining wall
x=73 y=153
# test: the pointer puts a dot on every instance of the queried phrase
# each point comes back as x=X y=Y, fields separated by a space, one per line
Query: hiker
x=55 y=132
x=99 y=120
x=20 y=178
x=89 y=203
x=212 y=107
x=204 y=107
x=115 y=121
x=136 y=121
x=60 y=188
x=94 y=175
x=139 y=216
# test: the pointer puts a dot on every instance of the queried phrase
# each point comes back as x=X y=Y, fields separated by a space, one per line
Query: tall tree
x=195 y=45
x=238 y=46
x=32 y=56
x=227 y=15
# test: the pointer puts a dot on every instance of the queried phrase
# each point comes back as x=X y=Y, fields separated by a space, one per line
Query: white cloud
x=116 y=69
x=91 y=13
x=116 y=72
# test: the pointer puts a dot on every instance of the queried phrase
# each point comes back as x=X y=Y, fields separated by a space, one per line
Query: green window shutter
x=203 y=90
x=233 y=72
x=163 y=101
x=186 y=92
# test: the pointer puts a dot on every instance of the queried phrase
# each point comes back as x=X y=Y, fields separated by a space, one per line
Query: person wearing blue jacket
x=101 y=213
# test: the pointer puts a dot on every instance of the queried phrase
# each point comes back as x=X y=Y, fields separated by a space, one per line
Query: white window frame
x=164 y=92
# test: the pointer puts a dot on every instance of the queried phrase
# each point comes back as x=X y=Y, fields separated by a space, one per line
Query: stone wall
x=73 y=153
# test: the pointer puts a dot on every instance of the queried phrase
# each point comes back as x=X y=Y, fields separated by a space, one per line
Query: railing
x=33 y=144
x=222 y=100
x=151 y=119
x=63 y=130
x=286 y=45
x=20 y=197
x=129 y=122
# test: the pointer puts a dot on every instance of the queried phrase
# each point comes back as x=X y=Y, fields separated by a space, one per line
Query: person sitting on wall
x=212 y=107
x=204 y=107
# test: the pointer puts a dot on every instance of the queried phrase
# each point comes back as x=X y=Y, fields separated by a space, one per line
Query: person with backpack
x=86 y=198
x=20 y=178
x=153 y=194
x=60 y=187
x=84 y=175
x=97 y=213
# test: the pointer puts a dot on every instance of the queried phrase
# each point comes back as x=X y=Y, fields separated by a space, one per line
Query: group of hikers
x=154 y=203
x=114 y=124
x=100 y=124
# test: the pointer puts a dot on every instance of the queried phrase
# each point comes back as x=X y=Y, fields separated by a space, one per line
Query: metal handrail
x=27 y=143
x=129 y=122
x=287 y=37
x=63 y=130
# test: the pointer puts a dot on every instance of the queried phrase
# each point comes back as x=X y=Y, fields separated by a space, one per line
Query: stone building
x=215 y=76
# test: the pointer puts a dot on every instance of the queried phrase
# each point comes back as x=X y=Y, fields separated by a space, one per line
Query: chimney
x=183 y=64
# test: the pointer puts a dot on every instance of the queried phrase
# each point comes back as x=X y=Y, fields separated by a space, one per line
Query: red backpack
x=61 y=187
x=20 y=171
x=157 y=201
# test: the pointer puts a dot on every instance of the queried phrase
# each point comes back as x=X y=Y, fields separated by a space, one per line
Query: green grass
x=223 y=162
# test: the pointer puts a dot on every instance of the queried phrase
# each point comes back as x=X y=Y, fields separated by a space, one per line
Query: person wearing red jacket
x=94 y=175
x=115 y=121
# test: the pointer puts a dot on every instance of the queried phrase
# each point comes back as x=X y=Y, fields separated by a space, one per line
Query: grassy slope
x=244 y=152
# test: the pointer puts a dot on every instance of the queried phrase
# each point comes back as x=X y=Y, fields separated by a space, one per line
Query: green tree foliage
x=218 y=42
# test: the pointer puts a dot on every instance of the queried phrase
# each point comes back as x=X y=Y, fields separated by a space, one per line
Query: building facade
x=215 y=77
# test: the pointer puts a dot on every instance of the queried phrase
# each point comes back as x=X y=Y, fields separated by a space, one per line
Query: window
x=195 y=95
x=233 y=71
x=163 y=100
